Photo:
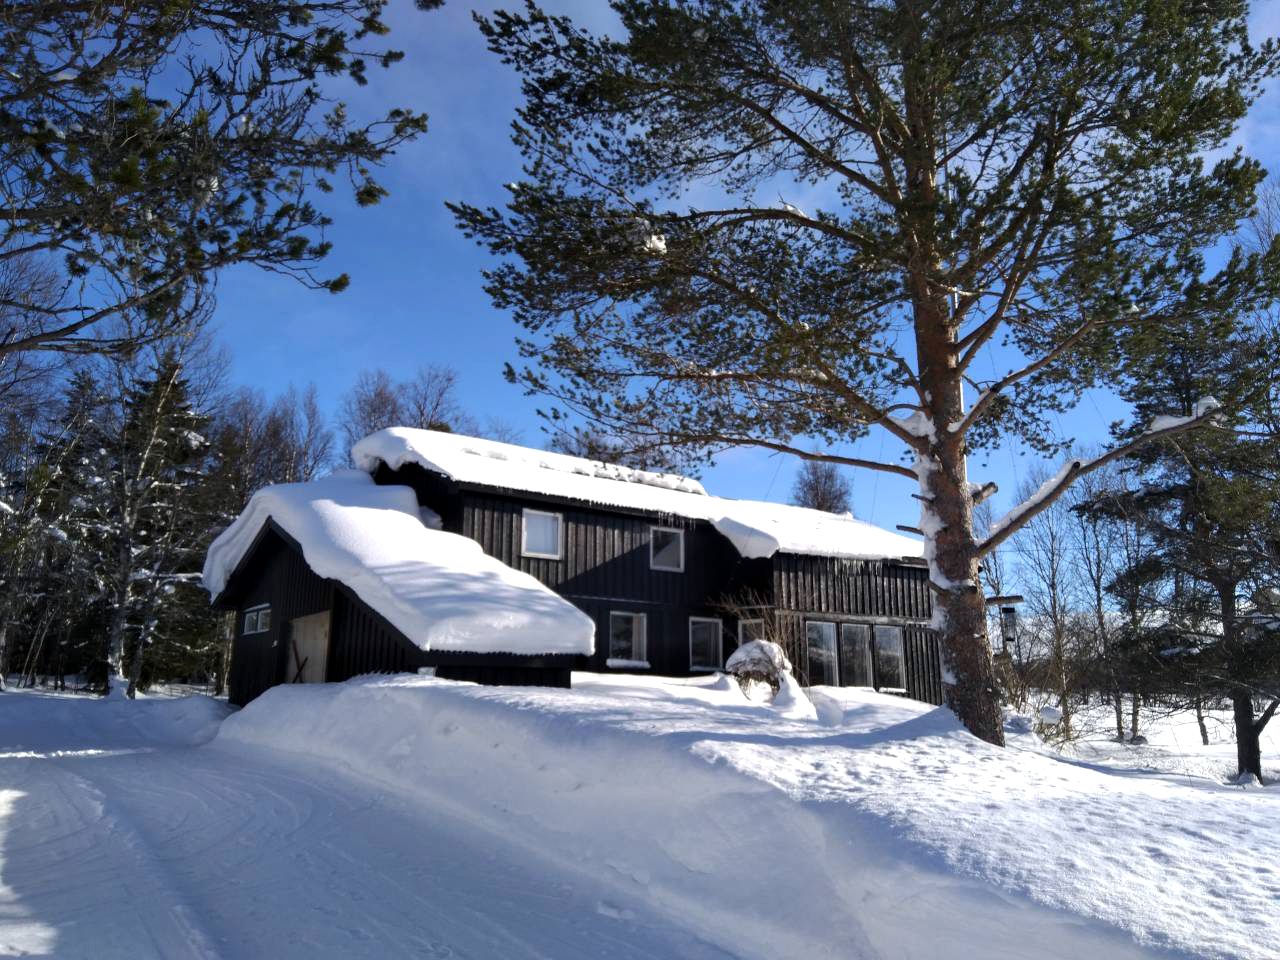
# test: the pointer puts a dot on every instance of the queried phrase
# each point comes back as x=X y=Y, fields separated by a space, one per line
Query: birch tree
x=785 y=225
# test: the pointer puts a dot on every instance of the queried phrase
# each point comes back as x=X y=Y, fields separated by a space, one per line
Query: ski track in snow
x=114 y=843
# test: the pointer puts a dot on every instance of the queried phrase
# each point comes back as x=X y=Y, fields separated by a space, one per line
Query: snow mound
x=756 y=528
x=439 y=589
x=108 y=724
x=773 y=838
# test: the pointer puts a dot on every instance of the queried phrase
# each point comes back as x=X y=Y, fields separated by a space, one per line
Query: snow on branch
x=1204 y=411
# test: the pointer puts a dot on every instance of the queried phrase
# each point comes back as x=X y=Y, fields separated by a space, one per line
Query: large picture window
x=890 y=670
x=627 y=640
x=541 y=534
x=666 y=549
x=855 y=655
x=821 y=641
x=704 y=643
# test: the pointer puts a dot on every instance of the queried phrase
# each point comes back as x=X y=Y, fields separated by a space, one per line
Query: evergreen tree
x=144 y=146
x=784 y=224
x=821 y=486
x=1210 y=504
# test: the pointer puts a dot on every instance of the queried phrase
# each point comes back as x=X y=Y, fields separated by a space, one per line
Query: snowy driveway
x=116 y=843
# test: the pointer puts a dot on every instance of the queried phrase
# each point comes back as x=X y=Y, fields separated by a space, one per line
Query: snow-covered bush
x=756 y=662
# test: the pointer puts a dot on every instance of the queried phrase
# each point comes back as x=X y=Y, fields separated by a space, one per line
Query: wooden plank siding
x=361 y=641
x=604 y=567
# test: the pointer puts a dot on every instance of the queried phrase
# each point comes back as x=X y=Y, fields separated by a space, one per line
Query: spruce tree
x=785 y=224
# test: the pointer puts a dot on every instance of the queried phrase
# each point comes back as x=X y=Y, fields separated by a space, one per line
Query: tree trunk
x=1135 y=713
x=1117 y=700
x=1248 y=745
x=4 y=649
x=1204 y=731
x=960 y=609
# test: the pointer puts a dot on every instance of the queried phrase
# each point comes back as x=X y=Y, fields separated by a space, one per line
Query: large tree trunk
x=1117 y=699
x=960 y=617
x=1135 y=714
x=4 y=648
x=1248 y=744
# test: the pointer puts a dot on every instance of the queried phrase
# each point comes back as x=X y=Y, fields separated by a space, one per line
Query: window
x=257 y=619
x=626 y=640
x=541 y=534
x=889 y=668
x=749 y=630
x=855 y=655
x=704 y=643
x=821 y=642
x=666 y=549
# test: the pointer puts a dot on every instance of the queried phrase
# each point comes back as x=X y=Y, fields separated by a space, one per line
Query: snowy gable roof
x=439 y=589
x=756 y=528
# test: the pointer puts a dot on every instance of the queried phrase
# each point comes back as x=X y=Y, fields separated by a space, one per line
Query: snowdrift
x=881 y=830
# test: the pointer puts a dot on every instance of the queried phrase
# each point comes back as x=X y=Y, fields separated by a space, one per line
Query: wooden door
x=310 y=648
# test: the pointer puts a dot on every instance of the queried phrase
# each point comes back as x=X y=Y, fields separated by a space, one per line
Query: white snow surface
x=439 y=589
x=832 y=837
x=756 y=528
x=630 y=817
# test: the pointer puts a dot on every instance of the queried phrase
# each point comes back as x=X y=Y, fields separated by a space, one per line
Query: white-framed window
x=891 y=671
x=627 y=646
x=541 y=534
x=257 y=619
x=749 y=630
x=705 y=646
x=820 y=640
x=666 y=549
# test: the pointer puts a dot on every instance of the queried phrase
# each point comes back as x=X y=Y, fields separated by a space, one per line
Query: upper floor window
x=541 y=534
x=890 y=670
x=704 y=643
x=666 y=549
x=257 y=619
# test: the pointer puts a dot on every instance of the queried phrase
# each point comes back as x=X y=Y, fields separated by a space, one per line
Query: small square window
x=704 y=644
x=627 y=646
x=749 y=630
x=541 y=534
x=890 y=672
x=666 y=549
x=257 y=620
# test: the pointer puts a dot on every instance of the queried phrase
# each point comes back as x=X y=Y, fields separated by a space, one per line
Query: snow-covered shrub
x=757 y=662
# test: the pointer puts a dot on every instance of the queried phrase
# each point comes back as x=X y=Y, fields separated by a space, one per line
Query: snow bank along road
x=118 y=839
x=629 y=817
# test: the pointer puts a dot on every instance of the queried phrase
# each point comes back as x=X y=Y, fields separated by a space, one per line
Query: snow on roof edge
x=757 y=528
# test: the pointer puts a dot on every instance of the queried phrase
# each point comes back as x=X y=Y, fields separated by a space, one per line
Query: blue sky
x=415 y=295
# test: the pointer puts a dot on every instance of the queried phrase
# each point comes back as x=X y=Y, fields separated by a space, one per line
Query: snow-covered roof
x=439 y=589
x=756 y=528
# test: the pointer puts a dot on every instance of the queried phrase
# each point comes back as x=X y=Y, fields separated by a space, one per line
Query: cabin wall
x=277 y=575
x=872 y=592
x=605 y=567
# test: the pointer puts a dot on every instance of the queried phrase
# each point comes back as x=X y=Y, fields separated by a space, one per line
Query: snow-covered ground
x=629 y=817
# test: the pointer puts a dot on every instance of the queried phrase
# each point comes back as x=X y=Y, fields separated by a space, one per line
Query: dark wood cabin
x=293 y=626
x=849 y=622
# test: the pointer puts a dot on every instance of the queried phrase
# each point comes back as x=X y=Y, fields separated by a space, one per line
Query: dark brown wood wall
x=877 y=588
x=605 y=567
x=276 y=574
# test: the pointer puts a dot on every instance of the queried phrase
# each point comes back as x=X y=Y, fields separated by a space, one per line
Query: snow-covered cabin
x=341 y=576
x=505 y=564
x=672 y=577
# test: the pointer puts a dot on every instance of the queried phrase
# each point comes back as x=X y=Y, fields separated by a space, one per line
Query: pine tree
x=148 y=145
x=1210 y=504
x=783 y=225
